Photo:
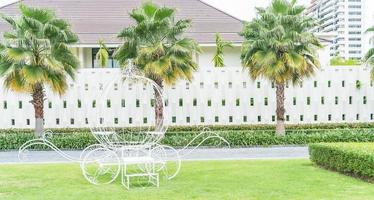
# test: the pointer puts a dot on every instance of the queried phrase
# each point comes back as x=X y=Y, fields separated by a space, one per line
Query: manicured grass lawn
x=253 y=179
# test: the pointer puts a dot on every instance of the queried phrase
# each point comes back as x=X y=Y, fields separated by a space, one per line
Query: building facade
x=215 y=95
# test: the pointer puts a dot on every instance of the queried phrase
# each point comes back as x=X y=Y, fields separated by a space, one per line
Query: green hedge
x=247 y=138
x=349 y=158
x=267 y=127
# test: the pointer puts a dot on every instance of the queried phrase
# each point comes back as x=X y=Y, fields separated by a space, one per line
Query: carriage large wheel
x=100 y=166
x=167 y=160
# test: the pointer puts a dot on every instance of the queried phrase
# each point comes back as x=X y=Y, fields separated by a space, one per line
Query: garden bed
x=355 y=159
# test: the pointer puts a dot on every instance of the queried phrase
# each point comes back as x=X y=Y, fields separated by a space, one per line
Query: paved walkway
x=11 y=157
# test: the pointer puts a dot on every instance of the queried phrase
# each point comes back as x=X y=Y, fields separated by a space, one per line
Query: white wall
x=90 y=85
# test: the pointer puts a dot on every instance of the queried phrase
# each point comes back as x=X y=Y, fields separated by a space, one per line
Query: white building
x=348 y=19
x=215 y=96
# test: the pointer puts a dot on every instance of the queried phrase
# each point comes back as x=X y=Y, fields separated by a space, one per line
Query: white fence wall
x=209 y=88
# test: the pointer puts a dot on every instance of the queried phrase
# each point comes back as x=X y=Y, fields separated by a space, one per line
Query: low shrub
x=243 y=127
x=80 y=140
x=349 y=158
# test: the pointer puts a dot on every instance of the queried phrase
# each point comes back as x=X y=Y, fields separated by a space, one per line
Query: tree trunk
x=280 y=129
x=159 y=106
x=38 y=103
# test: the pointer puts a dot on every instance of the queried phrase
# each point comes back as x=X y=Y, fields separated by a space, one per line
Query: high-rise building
x=346 y=19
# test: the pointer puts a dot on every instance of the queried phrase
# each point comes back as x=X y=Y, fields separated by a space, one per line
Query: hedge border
x=354 y=159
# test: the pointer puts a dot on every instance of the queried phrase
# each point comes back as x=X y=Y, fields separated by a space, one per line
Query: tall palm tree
x=35 y=54
x=220 y=46
x=156 y=46
x=369 y=57
x=279 y=47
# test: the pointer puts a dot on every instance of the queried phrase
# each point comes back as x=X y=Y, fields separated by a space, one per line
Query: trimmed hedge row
x=269 y=127
x=81 y=140
x=355 y=159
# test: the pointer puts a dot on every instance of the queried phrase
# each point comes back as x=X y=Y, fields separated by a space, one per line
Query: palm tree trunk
x=159 y=107
x=280 y=129
x=38 y=103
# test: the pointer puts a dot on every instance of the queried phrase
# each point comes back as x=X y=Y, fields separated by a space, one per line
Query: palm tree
x=157 y=48
x=369 y=57
x=35 y=54
x=103 y=54
x=220 y=46
x=278 y=47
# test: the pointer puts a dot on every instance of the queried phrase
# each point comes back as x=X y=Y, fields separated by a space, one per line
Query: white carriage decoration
x=128 y=154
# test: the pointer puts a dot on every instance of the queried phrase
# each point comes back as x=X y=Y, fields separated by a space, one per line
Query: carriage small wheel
x=100 y=166
x=167 y=160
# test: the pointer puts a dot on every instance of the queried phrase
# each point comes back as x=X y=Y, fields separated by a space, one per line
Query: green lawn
x=253 y=179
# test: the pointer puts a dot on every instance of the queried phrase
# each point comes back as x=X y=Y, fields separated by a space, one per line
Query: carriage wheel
x=100 y=166
x=167 y=160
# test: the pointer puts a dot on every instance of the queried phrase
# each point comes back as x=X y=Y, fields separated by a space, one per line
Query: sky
x=242 y=9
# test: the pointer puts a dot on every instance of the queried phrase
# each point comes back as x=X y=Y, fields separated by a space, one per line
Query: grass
x=252 y=179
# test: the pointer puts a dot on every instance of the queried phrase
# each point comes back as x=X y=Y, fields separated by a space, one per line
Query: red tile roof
x=103 y=19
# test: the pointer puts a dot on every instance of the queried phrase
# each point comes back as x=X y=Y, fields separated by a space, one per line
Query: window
x=187 y=85
x=315 y=84
x=265 y=101
x=273 y=118
x=364 y=100
x=174 y=119
x=13 y=122
x=237 y=102
x=328 y=83
x=350 y=99
x=130 y=120
x=294 y=101
x=259 y=118
x=216 y=85
x=258 y=84
x=115 y=120
x=72 y=121
x=216 y=119
x=230 y=84
x=343 y=83
x=49 y=104
x=244 y=118
x=112 y=63
x=166 y=102
x=244 y=84
x=94 y=104
x=57 y=121
x=301 y=118
x=301 y=84
x=64 y=104
x=108 y=103
x=101 y=120
x=86 y=120
x=315 y=117
x=180 y=102
x=230 y=119
x=322 y=100
x=79 y=103
x=343 y=117
x=357 y=116
x=19 y=104
x=252 y=102
x=308 y=101
x=287 y=118
x=201 y=85
x=188 y=119
x=371 y=116
x=145 y=120
x=329 y=117
x=137 y=102
x=223 y=102
x=209 y=103
x=123 y=103
x=194 y=102
x=27 y=122
x=202 y=119
x=336 y=100
x=272 y=85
